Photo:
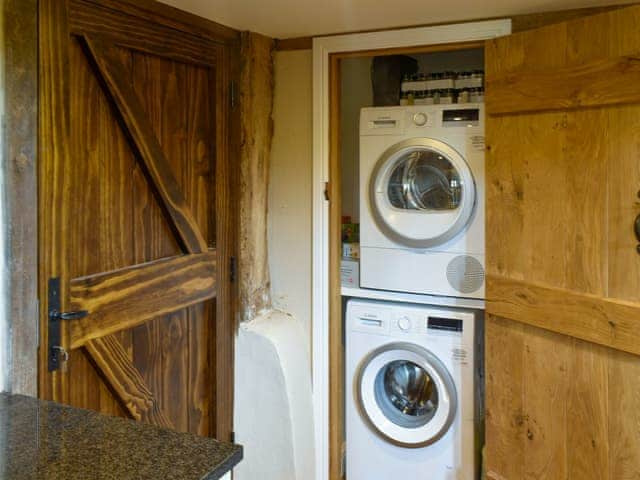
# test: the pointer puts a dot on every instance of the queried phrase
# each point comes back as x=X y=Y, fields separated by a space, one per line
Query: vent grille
x=465 y=274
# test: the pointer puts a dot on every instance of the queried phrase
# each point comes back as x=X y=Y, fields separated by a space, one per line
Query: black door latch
x=56 y=351
x=636 y=229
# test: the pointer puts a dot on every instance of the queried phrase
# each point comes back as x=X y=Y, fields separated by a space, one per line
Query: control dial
x=420 y=119
x=404 y=323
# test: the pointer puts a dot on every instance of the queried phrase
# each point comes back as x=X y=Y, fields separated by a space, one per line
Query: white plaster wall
x=273 y=406
x=290 y=188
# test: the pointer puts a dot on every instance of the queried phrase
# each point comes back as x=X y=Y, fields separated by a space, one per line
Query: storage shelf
x=413 y=298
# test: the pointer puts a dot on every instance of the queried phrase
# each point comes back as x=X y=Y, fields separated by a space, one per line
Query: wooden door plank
x=161 y=86
x=53 y=172
x=174 y=18
x=145 y=143
x=505 y=417
x=623 y=419
x=610 y=322
x=127 y=297
x=115 y=365
x=224 y=227
x=545 y=391
x=199 y=173
x=607 y=81
x=587 y=411
x=138 y=34
x=98 y=241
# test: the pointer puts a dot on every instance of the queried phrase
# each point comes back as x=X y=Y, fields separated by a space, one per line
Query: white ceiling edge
x=302 y=18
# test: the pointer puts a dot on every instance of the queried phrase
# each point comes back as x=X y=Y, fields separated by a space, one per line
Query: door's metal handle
x=76 y=315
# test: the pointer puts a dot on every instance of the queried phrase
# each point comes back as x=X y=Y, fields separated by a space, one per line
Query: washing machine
x=413 y=392
x=422 y=199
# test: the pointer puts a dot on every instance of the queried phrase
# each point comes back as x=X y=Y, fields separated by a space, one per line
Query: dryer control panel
x=403 y=120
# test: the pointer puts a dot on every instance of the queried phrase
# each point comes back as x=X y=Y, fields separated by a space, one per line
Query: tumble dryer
x=422 y=199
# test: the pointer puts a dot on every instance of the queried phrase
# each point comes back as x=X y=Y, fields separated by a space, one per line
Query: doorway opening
x=345 y=65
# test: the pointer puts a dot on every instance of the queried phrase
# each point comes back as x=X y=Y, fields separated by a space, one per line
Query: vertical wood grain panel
x=198 y=173
x=624 y=416
x=587 y=410
x=544 y=401
x=225 y=188
x=53 y=171
x=84 y=237
x=624 y=263
x=160 y=87
x=100 y=241
x=505 y=418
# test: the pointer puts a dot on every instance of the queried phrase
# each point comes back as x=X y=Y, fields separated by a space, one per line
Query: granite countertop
x=46 y=440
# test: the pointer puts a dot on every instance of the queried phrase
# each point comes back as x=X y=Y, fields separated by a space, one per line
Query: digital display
x=445 y=324
x=468 y=116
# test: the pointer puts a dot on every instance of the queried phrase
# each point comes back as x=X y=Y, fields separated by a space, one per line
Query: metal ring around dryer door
x=469 y=198
x=436 y=369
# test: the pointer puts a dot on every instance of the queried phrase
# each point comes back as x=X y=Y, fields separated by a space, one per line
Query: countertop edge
x=227 y=465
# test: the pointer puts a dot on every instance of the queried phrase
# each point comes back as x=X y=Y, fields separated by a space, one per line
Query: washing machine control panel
x=432 y=325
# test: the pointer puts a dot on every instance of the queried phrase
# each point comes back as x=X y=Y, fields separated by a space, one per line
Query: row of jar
x=438 y=81
x=443 y=96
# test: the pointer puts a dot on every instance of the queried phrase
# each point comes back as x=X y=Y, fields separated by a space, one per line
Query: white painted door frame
x=323 y=47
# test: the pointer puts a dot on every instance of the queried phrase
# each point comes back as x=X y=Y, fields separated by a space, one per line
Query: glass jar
x=463 y=80
x=447 y=96
x=464 y=95
x=477 y=95
x=430 y=97
x=420 y=98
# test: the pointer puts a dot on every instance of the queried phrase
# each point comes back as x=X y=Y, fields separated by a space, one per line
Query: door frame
x=19 y=201
x=326 y=54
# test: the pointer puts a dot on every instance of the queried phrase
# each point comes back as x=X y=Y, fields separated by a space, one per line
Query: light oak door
x=563 y=287
x=135 y=214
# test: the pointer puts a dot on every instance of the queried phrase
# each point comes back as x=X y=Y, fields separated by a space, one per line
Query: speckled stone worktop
x=45 y=440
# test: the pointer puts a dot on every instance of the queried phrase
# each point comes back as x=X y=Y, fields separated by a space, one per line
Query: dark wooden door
x=136 y=212
x=563 y=287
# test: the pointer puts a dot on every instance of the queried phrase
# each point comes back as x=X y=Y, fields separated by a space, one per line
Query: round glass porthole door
x=422 y=193
x=406 y=395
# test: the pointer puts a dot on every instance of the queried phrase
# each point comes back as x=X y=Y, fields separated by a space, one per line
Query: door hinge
x=326 y=191
x=233 y=267
x=38 y=321
x=232 y=437
x=57 y=353
x=233 y=94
